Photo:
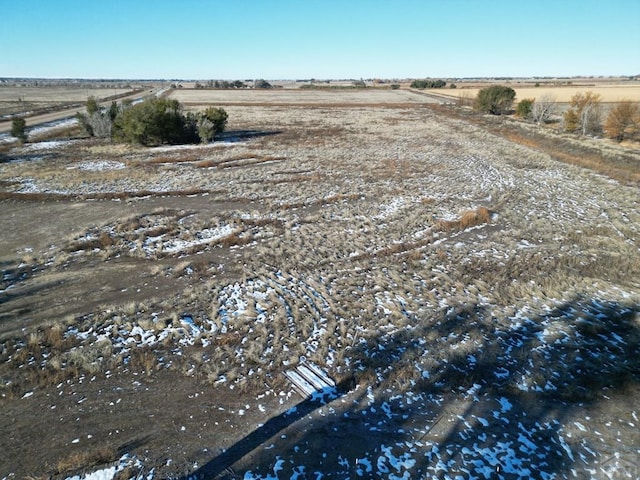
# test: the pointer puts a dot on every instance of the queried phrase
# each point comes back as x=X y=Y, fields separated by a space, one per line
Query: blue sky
x=287 y=39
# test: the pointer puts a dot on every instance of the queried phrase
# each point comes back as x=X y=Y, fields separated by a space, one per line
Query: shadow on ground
x=467 y=395
x=240 y=135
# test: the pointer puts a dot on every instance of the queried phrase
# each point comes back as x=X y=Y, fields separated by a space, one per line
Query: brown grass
x=86 y=459
x=616 y=168
x=468 y=219
x=144 y=359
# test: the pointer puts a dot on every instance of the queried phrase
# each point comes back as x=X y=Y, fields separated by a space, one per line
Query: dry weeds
x=345 y=244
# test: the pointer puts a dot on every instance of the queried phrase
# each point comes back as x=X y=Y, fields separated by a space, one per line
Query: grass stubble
x=365 y=227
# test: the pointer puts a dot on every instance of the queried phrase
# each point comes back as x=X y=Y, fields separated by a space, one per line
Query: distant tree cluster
x=428 y=84
x=222 y=84
x=229 y=85
x=154 y=121
x=584 y=115
x=261 y=83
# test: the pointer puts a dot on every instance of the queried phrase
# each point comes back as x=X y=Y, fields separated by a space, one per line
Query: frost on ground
x=475 y=301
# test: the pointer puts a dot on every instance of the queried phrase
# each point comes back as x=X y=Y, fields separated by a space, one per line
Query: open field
x=472 y=293
x=56 y=104
x=55 y=94
x=25 y=99
x=301 y=97
x=609 y=93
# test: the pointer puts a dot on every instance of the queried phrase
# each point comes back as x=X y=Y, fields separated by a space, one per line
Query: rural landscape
x=389 y=279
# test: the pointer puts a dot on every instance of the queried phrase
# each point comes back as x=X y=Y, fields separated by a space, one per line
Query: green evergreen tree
x=19 y=129
x=496 y=99
x=525 y=107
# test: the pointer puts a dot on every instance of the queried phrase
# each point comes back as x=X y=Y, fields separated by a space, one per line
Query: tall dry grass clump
x=470 y=218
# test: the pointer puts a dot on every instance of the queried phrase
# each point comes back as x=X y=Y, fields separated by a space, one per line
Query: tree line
x=229 y=85
x=584 y=116
x=428 y=84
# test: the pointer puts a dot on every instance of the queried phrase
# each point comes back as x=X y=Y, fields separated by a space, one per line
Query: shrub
x=95 y=122
x=19 y=129
x=543 y=108
x=571 y=121
x=496 y=99
x=92 y=105
x=586 y=107
x=525 y=107
x=159 y=120
x=218 y=116
x=205 y=128
x=153 y=122
x=623 y=121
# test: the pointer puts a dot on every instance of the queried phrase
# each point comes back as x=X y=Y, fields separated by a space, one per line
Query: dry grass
x=618 y=168
x=278 y=98
x=468 y=219
x=86 y=459
x=348 y=248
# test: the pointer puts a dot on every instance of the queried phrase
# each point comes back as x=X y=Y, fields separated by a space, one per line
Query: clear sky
x=295 y=39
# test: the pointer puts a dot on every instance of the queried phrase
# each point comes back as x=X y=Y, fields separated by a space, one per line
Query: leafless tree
x=587 y=108
x=543 y=108
x=101 y=124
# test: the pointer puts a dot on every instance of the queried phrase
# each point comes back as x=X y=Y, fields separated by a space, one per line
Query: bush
x=19 y=129
x=218 y=117
x=584 y=112
x=623 y=121
x=571 y=121
x=153 y=122
x=525 y=107
x=544 y=108
x=496 y=99
x=159 y=120
x=92 y=105
x=96 y=122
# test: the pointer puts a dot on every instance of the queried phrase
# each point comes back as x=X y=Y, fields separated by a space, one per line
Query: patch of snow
x=98 y=165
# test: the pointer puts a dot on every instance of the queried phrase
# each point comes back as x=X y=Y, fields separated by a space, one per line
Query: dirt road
x=5 y=125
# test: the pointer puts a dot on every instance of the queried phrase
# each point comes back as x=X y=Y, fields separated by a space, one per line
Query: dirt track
x=32 y=121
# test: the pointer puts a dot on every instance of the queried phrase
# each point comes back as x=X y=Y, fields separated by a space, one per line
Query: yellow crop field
x=609 y=93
